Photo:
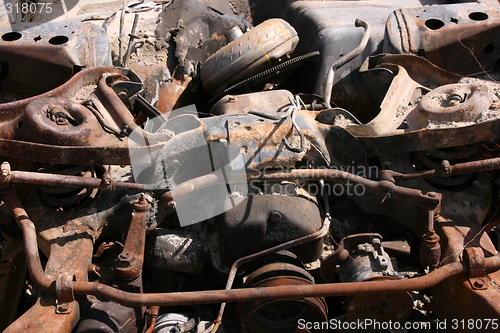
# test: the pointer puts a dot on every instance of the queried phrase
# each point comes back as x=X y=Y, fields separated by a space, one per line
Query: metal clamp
x=477 y=270
x=64 y=294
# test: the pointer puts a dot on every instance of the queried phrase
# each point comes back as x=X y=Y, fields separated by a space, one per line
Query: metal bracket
x=64 y=294
x=477 y=271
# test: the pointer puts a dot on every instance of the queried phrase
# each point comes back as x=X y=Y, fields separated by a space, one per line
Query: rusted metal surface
x=37 y=54
x=260 y=215
x=260 y=316
x=468 y=31
x=128 y=265
x=345 y=59
x=38 y=178
x=31 y=321
x=152 y=315
x=270 y=293
x=93 y=187
x=29 y=238
x=378 y=187
x=171 y=93
x=11 y=281
x=249 y=54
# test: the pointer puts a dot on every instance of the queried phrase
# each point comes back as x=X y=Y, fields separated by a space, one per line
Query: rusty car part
x=342 y=289
x=241 y=295
x=56 y=50
x=13 y=270
x=448 y=170
x=345 y=59
x=30 y=244
x=152 y=316
x=267 y=76
x=264 y=214
x=379 y=187
x=301 y=162
x=466 y=30
x=283 y=246
x=128 y=265
x=38 y=178
x=261 y=316
x=368 y=261
x=248 y=54
x=412 y=116
x=477 y=272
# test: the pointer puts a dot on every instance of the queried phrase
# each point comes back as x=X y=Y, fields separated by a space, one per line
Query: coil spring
x=62 y=198
x=431 y=159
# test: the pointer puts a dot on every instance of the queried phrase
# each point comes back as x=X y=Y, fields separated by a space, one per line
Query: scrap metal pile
x=249 y=166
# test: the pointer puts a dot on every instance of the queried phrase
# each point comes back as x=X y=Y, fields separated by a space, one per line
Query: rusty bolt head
x=455 y=99
x=142 y=205
x=61 y=121
x=275 y=217
x=171 y=204
x=479 y=283
x=5 y=169
x=125 y=259
x=62 y=307
x=106 y=181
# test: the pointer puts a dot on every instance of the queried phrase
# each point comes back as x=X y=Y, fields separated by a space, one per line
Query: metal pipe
x=39 y=178
x=29 y=239
x=382 y=187
x=345 y=59
x=272 y=293
x=132 y=36
x=451 y=170
x=323 y=231
x=225 y=296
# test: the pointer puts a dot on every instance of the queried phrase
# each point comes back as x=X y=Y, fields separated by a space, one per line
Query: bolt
x=171 y=205
x=125 y=259
x=5 y=169
x=275 y=217
x=455 y=99
x=61 y=120
x=124 y=132
x=445 y=164
x=479 y=283
x=62 y=307
x=106 y=181
x=141 y=205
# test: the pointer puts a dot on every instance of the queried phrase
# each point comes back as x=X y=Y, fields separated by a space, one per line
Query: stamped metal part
x=259 y=210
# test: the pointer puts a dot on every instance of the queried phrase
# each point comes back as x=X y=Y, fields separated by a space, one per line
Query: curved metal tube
x=345 y=59
x=382 y=187
x=232 y=295
x=450 y=170
x=29 y=240
x=273 y=293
